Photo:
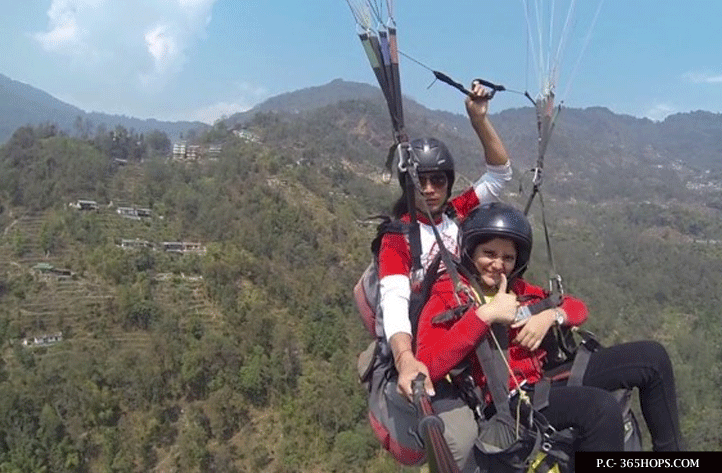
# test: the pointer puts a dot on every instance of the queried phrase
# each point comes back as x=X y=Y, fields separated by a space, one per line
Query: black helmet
x=431 y=154
x=491 y=220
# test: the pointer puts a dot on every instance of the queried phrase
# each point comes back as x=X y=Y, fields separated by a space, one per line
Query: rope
x=379 y=43
x=438 y=75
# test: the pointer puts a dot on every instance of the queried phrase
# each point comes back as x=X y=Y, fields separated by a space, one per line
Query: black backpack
x=394 y=420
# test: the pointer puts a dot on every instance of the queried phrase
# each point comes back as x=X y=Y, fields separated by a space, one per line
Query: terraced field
x=58 y=297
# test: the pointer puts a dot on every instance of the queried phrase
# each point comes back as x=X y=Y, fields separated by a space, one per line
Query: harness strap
x=550 y=255
x=546 y=119
x=420 y=298
x=555 y=280
x=579 y=367
x=549 y=302
x=541 y=394
x=535 y=190
x=415 y=232
x=495 y=370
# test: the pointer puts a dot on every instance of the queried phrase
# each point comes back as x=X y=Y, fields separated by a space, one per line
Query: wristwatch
x=522 y=313
x=559 y=317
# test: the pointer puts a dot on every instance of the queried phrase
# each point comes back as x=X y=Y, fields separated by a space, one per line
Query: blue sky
x=202 y=59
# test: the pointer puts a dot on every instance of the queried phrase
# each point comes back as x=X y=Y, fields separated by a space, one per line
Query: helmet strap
x=406 y=166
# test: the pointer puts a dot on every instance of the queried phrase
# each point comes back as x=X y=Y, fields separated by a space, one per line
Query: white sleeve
x=489 y=186
x=394 y=293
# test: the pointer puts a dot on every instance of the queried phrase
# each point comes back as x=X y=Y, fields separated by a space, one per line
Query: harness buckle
x=548 y=432
x=417 y=278
x=556 y=286
x=538 y=177
x=517 y=390
x=403 y=152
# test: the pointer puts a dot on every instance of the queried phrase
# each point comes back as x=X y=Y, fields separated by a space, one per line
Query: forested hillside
x=239 y=353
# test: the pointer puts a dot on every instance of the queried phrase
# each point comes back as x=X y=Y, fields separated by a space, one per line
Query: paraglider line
x=448 y=80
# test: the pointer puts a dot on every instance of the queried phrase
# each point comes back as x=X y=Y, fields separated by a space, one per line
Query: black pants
x=593 y=412
x=596 y=414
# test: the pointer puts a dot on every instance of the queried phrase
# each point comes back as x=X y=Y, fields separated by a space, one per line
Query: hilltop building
x=247 y=136
x=43 y=340
x=134 y=213
x=84 y=204
x=135 y=244
x=183 y=247
x=182 y=151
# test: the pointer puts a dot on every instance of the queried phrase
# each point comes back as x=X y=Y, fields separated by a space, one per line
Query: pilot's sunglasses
x=436 y=179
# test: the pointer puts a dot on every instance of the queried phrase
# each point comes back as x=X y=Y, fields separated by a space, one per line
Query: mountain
x=583 y=137
x=21 y=104
x=309 y=99
x=594 y=153
x=594 y=133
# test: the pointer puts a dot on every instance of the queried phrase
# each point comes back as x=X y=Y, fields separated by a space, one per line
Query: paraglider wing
x=377 y=31
x=549 y=33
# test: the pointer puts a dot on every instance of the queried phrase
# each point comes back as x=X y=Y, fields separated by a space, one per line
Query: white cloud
x=64 y=34
x=659 y=112
x=246 y=96
x=703 y=78
x=166 y=53
x=141 y=41
x=213 y=112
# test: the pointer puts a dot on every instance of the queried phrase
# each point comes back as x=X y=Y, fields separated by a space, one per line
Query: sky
x=205 y=59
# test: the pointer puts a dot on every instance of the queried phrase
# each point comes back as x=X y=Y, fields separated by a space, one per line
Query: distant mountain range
x=22 y=104
x=694 y=138
x=595 y=136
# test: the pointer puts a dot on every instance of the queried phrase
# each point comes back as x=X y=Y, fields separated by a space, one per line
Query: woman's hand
x=477 y=103
x=502 y=307
x=533 y=329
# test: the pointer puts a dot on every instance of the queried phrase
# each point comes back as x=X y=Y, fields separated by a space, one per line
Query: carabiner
x=538 y=176
x=403 y=153
x=556 y=286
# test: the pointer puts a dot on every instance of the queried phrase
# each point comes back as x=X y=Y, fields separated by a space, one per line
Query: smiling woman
x=455 y=326
x=493 y=259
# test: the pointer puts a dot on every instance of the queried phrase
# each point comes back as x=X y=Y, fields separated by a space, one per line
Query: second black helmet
x=431 y=155
x=491 y=220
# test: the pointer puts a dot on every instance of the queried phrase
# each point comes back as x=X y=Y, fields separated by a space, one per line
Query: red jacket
x=395 y=254
x=442 y=347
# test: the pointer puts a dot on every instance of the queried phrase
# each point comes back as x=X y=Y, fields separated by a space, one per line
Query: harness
x=514 y=435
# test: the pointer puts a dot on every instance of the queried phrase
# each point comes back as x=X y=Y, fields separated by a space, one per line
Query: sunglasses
x=437 y=179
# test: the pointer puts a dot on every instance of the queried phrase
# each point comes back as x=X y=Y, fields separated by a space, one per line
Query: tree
x=158 y=142
x=253 y=377
x=194 y=435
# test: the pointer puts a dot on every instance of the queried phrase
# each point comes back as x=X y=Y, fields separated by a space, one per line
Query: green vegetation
x=242 y=357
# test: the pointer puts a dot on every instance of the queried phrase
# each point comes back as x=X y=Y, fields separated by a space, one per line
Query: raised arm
x=477 y=106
